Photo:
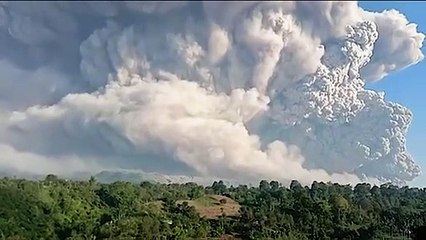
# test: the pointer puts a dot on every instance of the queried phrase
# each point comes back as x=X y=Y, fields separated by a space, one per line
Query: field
x=213 y=206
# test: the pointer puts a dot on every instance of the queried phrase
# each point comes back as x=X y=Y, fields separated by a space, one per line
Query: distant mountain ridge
x=126 y=175
x=108 y=176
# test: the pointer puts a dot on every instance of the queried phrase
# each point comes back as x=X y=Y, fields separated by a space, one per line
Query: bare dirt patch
x=214 y=206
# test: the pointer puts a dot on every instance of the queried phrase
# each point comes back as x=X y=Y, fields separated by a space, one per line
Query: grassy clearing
x=209 y=206
x=213 y=206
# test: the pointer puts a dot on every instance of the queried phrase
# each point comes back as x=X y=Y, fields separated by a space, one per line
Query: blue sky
x=408 y=86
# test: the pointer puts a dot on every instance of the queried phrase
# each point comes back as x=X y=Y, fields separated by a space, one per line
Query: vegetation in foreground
x=60 y=209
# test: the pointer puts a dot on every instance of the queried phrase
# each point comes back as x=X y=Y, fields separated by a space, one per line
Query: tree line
x=55 y=208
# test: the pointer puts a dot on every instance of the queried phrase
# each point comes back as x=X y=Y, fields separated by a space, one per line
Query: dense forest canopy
x=60 y=209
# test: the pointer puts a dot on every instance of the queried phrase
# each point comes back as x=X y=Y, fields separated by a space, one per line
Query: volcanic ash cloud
x=243 y=91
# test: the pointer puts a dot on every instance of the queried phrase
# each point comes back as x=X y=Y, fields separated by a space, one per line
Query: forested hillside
x=60 y=209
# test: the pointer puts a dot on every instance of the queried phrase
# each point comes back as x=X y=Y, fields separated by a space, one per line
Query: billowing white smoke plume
x=247 y=91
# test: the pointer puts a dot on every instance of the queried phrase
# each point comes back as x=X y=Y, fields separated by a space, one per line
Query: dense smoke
x=235 y=90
